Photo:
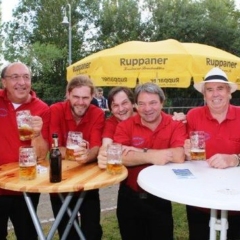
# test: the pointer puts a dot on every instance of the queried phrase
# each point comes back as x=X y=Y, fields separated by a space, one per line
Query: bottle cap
x=54 y=135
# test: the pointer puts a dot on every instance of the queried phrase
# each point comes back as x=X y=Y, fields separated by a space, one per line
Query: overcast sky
x=7 y=6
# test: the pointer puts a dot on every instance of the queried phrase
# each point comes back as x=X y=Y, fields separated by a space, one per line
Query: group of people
x=148 y=135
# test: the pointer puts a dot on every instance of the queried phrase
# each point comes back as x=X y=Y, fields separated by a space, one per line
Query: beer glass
x=24 y=122
x=197 y=140
x=114 y=158
x=27 y=163
x=74 y=141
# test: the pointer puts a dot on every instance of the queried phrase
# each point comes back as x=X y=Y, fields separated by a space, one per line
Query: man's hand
x=222 y=160
x=81 y=154
x=179 y=117
x=102 y=157
x=187 y=148
x=37 y=124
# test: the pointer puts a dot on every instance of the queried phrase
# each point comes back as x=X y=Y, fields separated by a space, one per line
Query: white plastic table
x=216 y=189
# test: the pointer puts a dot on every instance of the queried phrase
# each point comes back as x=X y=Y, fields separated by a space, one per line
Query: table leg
x=72 y=215
x=218 y=225
x=224 y=225
x=60 y=214
x=33 y=214
x=212 y=224
x=64 y=208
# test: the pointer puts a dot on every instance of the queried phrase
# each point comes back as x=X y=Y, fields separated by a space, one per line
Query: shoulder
x=234 y=111
x=58 y=105
x=196 y=111
x=37 y=106
x=94 y=112
x=167 y=119
x=41 y=103
x=111 y=119
x=236 y=108
x=1 y=92
x=130 y=121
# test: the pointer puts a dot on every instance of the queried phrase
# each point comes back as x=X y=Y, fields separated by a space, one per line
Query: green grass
x=111 y=231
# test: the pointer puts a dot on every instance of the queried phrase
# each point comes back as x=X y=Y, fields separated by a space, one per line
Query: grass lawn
x=111 y=231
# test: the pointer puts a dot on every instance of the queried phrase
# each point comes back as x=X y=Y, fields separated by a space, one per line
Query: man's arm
x=153 y=156
x=38 y=142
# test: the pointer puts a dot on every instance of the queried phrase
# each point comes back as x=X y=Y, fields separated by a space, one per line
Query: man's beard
x=78 y=114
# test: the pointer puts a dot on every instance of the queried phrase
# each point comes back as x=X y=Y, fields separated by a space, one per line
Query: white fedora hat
x=215 y=75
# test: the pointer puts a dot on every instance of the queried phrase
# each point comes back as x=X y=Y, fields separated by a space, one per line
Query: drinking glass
x=27 y=163
x=197 y=140
x=114 y=158
x=74 y=141
x=24 y=122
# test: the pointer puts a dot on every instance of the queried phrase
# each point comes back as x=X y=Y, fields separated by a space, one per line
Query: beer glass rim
x=27 y=147
x=75 y=132
x=22 y=111
x=114 y=146
x=195 y=132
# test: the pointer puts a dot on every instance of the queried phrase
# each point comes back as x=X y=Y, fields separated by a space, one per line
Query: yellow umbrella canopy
x=168 y=63
x=205 y=57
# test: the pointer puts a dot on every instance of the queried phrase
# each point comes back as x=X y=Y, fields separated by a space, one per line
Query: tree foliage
x=36 y=36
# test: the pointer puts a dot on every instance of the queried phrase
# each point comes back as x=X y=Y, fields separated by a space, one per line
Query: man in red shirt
x=78 y=114
x=149 y=137
x=221 y=123
x=121 y=105
x=17 y=95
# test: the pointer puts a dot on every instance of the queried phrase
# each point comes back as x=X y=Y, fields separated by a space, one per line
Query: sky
x=8 y=5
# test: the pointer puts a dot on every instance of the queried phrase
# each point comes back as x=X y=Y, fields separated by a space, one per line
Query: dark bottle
x=55 y=161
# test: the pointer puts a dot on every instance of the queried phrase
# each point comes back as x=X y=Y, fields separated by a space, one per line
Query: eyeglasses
x=16 y=77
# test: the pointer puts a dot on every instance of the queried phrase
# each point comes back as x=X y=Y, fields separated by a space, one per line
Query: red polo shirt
x=131 y=132
x=110 y=127
x=62 y=122
x=9 y=136
x=221 y=137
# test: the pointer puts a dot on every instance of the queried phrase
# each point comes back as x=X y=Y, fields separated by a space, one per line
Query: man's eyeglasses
x=16 y=77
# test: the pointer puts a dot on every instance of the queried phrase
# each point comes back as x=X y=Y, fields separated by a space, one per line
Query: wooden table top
x=75 y=177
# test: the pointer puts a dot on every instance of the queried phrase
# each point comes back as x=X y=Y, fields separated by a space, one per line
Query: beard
x=78 y=110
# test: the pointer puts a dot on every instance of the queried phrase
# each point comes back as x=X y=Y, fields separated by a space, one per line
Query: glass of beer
x=27 y=163
x=114 y=158
x=24 y=122
x=197 y=140
x=74 y=141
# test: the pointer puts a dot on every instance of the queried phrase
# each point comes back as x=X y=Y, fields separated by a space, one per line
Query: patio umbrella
x=168 y=63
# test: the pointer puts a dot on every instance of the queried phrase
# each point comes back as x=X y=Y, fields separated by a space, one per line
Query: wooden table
x=197 y=184
x=75 y=178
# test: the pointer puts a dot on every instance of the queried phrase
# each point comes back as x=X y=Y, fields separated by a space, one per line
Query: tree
x=211 y=22
x=36 y=36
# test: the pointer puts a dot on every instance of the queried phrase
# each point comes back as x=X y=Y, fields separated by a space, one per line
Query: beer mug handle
x=87 y=144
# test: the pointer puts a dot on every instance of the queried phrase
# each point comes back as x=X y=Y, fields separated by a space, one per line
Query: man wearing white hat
x=221 y=123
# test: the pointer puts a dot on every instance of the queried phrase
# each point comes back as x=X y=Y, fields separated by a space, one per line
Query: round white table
x=195 y=183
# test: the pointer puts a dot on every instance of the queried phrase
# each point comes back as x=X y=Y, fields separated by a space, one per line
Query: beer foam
x=197 y=150
x=114 y=161
x=25 y=126
x=73 y=147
